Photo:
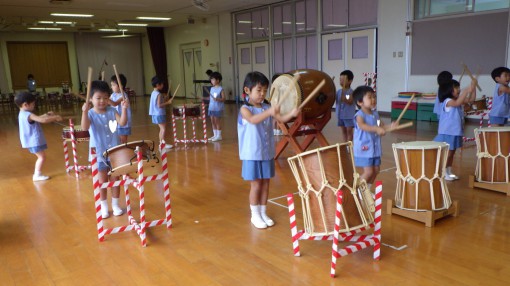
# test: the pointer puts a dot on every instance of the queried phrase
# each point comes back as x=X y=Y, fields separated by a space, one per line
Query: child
x=31 y=85
x=450 y=128
x=157 y=109
x=500 y=102
x=216 y=105
x=345 y=108
x=30 y=131
x=368 y=129
x=442 y=78
x=101 y=121
x=256 y=144
x=115 y=100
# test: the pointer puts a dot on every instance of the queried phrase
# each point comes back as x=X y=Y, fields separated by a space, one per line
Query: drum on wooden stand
x=80 y=135
x=308 y=80
x=420 y=171
x=192 y=110
x=123 y=159
x=320 y=174
x=493 y=152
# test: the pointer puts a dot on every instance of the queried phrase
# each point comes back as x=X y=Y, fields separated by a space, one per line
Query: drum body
x=190 y=110
x=123 y=157
x=320 y=173
x=80 y=135
x=420 y=171
x=308 y=81
x=493 y=152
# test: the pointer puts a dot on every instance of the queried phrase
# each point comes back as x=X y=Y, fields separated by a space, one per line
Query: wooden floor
x=48 y=230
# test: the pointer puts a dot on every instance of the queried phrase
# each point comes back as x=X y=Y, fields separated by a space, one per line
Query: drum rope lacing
x=440 y=163
x=365 y=210
x=484 y=154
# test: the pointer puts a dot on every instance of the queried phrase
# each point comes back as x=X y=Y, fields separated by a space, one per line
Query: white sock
x=219 y=133
x=37 y=173
x=255 y=210
x=104 y=208
x=115 y=202
x=264 y=216
x=448 y=170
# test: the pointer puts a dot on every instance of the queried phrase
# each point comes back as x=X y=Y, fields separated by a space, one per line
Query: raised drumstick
x=102 y=75
x=118 y=81
x=398 y=127
x=287 y=92
x=462 y=74
x=471 y=75
x=313 y=94
x=175 y=92
x=89 y=83
x=405 y=109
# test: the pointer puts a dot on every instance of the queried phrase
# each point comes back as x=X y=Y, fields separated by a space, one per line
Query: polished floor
x=48 y=231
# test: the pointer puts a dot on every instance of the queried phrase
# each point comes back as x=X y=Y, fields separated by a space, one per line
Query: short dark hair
x=216 y=76
x=208 y=72
x=497 y=72
x=446 y=89
x=123 y=80
x=444 y=77
x=23 y=97
x=98 y=85
x=155 y=81
x=253 y=78
x=360 y=92
x=348 y=73
x=30 y=76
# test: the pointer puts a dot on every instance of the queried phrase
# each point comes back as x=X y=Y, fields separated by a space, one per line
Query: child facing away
x=102 y=122
x=157 y=111
x=442 y=78
x=116 y=99
x=345 y=108
x=256 y=144
x=30 y=131
x=451 y=123
x=216 y=105
x=500 y=101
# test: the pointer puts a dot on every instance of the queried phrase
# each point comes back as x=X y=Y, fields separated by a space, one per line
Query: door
x=333 y=56
x=192 y=69
x=360 y=54
x=252 y=57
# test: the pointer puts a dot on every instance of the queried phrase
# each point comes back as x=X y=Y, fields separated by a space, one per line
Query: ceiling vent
x=200 y=4
x=60 y=2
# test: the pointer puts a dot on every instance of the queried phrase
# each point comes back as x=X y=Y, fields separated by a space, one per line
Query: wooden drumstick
x=471 y=75
x=405 y=109
x=398 y=127
x=313 y=94
x=175 y=92
x=102 y=76
x=89 y=83
x=462 y=74
x=287 y=92
x=118 y=82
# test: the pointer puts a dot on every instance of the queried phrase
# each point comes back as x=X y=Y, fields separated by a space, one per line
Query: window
x=306 y=16
x=306 y=52
x=282 y=20
x=431 y=8
x=243 y=26
x=334 y=14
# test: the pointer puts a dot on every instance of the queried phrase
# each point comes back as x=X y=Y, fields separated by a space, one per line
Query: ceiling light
x=107 y=30
x=46 y=22
x=154 y=18
x=72 y=15
x=133 y=24
x=44 y=29
x=244 y=22
x=64 y=23
x=335 y=25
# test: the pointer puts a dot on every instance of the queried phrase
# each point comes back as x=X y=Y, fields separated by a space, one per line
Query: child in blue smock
x=256 y=144
x=442 y=78
x=102 y=122
x=216 y=105
x=345 y=108
x=116 y=99
x=157 y=111
x=500 y=100
x=30 y=131
x=451 y=122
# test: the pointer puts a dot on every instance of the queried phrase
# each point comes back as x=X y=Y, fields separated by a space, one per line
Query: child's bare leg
x=162 y=130
x=255 y=196
x=350 y=133
x=103 y=178
x=264 y=194
x=41 y=157
x=123 y=139
x=115 y=198
x=344 y=133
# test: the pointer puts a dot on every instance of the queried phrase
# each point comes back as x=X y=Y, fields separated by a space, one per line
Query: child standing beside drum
x=451 y=122
x=157 y=109
x=501 y=101
x=345 y=108
x=102 y=122
x=115 y=100
x=442 y=78
x=256 y=144
x=216 y=105
x=30 y=131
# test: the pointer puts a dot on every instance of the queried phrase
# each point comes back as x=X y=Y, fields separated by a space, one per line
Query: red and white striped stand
x=76 y=167
x=362 y=241
x=138 y=183
x=185 y=140
x=482 y=116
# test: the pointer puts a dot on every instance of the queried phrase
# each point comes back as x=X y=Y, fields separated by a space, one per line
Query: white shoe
x=169 y=146
x=212 y=138
x=117 y=211
x=104 y=213
x=37 y=178
x=218 y=138
x=455 y=177
x=448 y=177
x=267 y=220
x=258 y=222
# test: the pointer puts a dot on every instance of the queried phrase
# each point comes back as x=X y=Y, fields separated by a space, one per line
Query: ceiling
x=19 y=15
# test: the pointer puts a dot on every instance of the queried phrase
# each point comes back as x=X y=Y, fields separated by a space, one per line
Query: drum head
x=278 y=89
x=418 y=145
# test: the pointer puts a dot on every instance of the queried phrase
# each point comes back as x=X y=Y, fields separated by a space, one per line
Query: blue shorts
x=498 y=120
x=124 y=130
x=215 y=113
x=36 y=149
x=102 y=166
x=367 y=162
x=454 y=141
x=346 y=122
x=158 y=119
x=254 y=170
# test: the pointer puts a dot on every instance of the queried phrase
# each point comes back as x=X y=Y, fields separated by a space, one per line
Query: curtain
x=156 y=37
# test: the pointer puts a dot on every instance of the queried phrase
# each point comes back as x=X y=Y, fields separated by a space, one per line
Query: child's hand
x=380 y=131
x=125 y=103
x=58 y=118
x=275 y=110
x=50 y=113
x=85 y=107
